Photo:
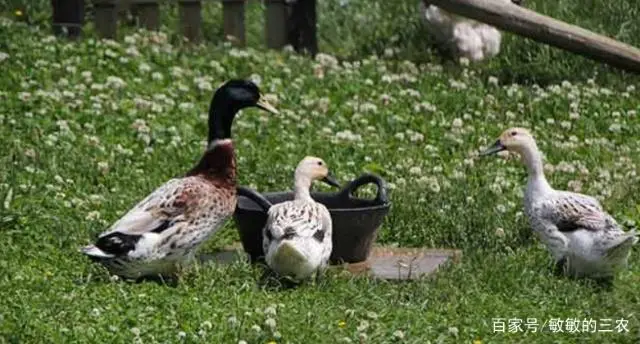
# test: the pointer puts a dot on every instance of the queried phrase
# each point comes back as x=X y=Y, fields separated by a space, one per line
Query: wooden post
x=191 y=19
x=276 y=23
x=233 y=19
x=105 y=18
x=527 y=23
x=148 y=13
x=68 y=17
x=302 y=24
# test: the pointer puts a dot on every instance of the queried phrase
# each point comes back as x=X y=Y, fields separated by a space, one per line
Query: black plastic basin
x=355 y=220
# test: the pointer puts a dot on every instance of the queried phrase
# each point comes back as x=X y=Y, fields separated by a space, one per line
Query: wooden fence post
x=148 y=13
x=233 y=19
x=302 y=26
x=68 y=14
x=276 y=24
x=191 y=19
x=106 y=18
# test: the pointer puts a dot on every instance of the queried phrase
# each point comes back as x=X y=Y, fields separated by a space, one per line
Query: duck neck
x=218 y=163
x=301 y=188
x=532 y=158
x=222 y=111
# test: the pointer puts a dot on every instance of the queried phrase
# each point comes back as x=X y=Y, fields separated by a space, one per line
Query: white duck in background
x=464 y=37
x=297 y=235
x=583 y=239
x=161 y=233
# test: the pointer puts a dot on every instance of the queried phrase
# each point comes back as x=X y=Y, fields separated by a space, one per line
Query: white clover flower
x=363 y=326
x=157 y=76
x=271 y=310
x=368 y=107
x=256 y=78
x=459 y=85
x=432 y=183
x=103 y=166
x=457 y=123
x=31 y=153
x=95 y=312
x=327 y=60
x=130 y=39
x=348 y=135
x=270 y=323
x=575 y=186
x=115 y=82
x=186 y=106
x=239 y=53
x=133 y=51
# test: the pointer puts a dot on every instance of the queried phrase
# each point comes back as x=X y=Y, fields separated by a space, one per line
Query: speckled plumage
x=162 y=232
x=310 y=221
x=297 y=237
x=166 y=227
x=578 y=232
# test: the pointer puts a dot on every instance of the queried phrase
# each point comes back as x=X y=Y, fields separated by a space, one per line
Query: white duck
x=297 y=235
x=464 y=37
x=583 y=239
x=162 y=232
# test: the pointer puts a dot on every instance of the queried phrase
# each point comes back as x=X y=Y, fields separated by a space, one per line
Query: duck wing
x=572 y=211
x=163 y=209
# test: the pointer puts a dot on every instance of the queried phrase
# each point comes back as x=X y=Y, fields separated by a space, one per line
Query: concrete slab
x=390 y=263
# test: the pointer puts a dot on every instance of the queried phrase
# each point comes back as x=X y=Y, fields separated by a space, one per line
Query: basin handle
x=364 y=179
x=254 y=196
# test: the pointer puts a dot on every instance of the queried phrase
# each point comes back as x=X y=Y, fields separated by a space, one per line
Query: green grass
x=73 y=161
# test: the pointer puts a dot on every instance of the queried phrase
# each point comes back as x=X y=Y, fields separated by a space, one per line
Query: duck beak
x=264 y=105
x=329 y=179
x=497 y=147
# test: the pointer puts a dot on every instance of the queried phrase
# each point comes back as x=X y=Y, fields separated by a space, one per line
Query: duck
x=297 y=236
x=584 y=240
x=160 y=234
x=463 y=37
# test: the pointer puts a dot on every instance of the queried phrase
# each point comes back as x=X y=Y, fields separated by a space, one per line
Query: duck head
x=312 y=168
x=513 y=139
x=230 y=98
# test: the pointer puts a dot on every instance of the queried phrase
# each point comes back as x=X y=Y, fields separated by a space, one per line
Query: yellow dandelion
x=342 y=324
x=477 y=341
x=18 y=13
x=272 y=342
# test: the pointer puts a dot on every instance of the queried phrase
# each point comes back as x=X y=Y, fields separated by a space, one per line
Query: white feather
x=467 y=38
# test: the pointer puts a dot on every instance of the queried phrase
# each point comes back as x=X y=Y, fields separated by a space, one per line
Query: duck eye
x=514 y=133
x=319 y=163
